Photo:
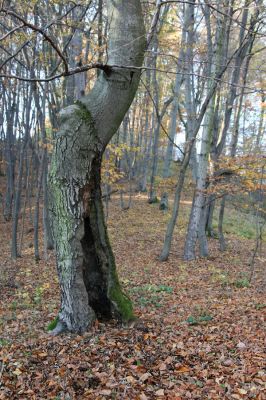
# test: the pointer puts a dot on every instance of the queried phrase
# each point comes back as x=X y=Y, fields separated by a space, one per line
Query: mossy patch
x=52 y=325
x=83 y=113
x=122 y=303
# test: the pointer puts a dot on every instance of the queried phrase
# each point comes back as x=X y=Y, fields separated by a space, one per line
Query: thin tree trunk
x=27 y=173
x=189 y=84
x=17 y=202
x=10 y=160
x=37 y=208
x=171 y=224
x=16 y=208
x=220 y=225
x=48 y=238
x=152 y=193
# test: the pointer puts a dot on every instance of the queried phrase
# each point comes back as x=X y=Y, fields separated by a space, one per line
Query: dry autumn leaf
x=17 y=372
x=160 y=393
x=105 y=392
x=182 y=369
x=144 y=377
x=142 y=396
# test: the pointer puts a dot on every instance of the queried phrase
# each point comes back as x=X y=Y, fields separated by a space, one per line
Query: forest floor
x=200 y=332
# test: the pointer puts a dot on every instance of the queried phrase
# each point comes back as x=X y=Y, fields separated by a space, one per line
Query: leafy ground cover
x=200 y=331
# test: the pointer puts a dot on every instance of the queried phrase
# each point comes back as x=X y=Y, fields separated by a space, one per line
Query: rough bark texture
x=86 y=266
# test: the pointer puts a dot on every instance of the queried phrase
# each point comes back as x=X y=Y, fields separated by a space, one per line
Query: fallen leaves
x=161 y=355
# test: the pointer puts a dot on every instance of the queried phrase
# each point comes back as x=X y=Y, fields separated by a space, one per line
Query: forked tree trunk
x=87 y=273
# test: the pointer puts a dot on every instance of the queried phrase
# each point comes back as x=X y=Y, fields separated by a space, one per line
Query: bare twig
x=159 y=118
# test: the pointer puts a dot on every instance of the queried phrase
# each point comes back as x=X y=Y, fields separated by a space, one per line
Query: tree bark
x=220 y=225
x=87 y=273
x=10 y=158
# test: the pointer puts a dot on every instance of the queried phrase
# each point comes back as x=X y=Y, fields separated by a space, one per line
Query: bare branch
x=12 y=31
x=39 y=30
x=11 y=56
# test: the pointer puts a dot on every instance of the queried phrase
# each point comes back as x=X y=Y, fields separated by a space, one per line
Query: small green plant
x=4 y=342
x=242 y=282
x=157 y=288
x=150 y=294
x=14 y=305
x=223 y=386
x=192 y=320
x=221 y=277
x=200 y=316
x=143 y=301
x=38 y=295
x=164 y=288
x=205 y=318
x=260 y=306
x=148 y=301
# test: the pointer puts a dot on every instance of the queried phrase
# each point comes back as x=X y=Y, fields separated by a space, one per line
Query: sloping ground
x=200 y=332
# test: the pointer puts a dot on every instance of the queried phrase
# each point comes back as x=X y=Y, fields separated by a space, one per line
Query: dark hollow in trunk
x=96 y=255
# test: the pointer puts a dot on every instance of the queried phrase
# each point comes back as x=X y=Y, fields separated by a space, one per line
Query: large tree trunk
x=86 y=266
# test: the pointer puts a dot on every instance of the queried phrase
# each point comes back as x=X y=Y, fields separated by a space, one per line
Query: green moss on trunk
x=52 y=325
x=83 y=113
x=121 y=303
